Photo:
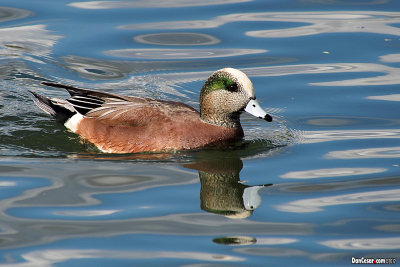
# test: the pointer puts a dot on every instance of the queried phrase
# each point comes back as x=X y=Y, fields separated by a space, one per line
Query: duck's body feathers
x=128 y=124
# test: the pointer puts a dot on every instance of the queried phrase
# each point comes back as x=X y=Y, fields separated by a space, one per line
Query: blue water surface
x=317 y=186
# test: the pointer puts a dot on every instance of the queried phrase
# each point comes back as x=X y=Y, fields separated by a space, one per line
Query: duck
x=131 y=124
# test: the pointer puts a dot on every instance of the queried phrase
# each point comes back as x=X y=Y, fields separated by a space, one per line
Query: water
x=327 y=70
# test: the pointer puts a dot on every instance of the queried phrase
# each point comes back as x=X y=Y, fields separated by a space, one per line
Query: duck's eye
x=232 y=87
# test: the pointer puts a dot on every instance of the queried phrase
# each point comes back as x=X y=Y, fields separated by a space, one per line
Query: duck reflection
x=221 y=191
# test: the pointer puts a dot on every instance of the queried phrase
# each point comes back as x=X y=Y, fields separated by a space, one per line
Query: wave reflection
x=153 y=53
x=391 y=75
x=384 y=75
x=8 y=13
x=366 y=153
x=318 y=22
x=326 y=136
x=332 y=22
x=317 y=204
x=177 y=38
x=392 y=97
x=151 y=3
x=50 y=257
x=334 y=172
x=26 y=42
x=390 y=58
x=364 y=243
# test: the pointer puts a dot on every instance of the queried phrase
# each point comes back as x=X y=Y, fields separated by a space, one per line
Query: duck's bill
x=251 y=198
x=255 y=109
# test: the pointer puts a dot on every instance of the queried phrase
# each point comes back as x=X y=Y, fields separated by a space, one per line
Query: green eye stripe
x=217 y=83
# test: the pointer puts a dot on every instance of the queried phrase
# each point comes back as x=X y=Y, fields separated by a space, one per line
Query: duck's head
x=225 y=94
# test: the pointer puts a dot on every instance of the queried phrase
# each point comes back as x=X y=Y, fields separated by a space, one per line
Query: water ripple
x=177 y=38
x=153 y=53
x=49 y=257
x=27 y=42
x=151 y=4
x=334 y=172
x=392 y=97
x=365 y=153
x=330 y=22
x=364 y=243
x=317 y=23
x=391 y=75
x=336 y=135
x=317 y=204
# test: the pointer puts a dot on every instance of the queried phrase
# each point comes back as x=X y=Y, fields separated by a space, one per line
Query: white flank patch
x=73 y=122
x=72 y=125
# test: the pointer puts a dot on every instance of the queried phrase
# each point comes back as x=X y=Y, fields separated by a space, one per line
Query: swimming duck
x=130 y=124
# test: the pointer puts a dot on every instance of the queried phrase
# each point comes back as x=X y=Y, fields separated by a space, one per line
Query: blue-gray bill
x=255 y=109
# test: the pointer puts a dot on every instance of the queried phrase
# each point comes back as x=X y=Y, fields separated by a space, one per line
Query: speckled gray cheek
x=223 y=108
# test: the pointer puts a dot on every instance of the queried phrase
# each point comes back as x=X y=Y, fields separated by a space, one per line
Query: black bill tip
x=268 y=118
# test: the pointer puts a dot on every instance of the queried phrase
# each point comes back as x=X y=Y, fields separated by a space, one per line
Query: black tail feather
x=43 y=103
x=74 y=91
x=59 y=111
x=71 y=90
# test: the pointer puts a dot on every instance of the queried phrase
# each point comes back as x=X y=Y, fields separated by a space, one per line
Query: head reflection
x=221 y=189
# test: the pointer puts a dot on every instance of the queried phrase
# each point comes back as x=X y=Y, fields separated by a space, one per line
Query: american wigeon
x=129 y=124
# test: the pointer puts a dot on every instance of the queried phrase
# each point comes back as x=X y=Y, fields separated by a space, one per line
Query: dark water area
x=318 y=186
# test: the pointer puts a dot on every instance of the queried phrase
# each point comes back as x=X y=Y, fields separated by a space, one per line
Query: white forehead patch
x=241 y=79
